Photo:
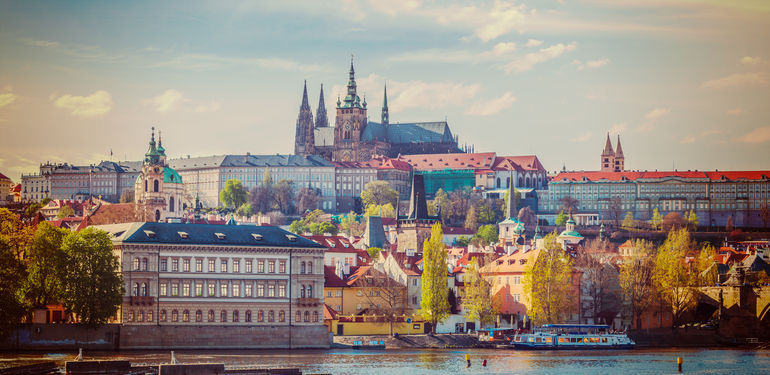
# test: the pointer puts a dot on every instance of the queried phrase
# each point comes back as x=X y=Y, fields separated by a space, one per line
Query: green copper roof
x=170 y=175
x=571 y=233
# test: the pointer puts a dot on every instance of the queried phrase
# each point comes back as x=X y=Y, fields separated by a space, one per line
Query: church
x=354 y=138
x=158 y=191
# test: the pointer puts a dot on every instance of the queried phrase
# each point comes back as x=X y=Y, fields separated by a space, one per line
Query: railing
x=141 y=300
x=308 y=301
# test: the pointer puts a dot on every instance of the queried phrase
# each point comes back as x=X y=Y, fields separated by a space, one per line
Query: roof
x=416 y=132
x=335 y=244
x=457 y=161
x=331 y=279
x=355 y=275
x=519 y=163
x=205 y=234
x=595 y=176
x=171 y=176
x=4 y=177
x=113 y=214
x=104 y=166
x=374 y=235
x=249 y=161
x=511 y=263
x=329 y=313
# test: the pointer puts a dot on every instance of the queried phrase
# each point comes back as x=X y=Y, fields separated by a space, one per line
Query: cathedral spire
x=618 y=150
x=351 y=99
x=321 y=121
x=385 y=115
x=304 y=137
x=608 y=146
x=305 y=102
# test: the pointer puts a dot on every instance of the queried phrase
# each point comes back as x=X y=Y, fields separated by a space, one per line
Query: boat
x=572 y=337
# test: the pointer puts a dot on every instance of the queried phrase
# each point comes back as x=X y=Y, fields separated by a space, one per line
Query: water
x=427 y=361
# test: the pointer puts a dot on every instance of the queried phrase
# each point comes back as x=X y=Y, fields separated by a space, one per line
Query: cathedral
x=354 y=138
x=613 y=160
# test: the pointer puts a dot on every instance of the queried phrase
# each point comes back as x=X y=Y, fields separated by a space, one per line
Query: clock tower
x=350 y=124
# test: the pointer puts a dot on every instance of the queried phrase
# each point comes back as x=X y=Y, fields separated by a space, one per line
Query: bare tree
x=615 y=209
x=283 y=196
x=636 y=280
x=600 y=284
x=386 y=297
x=569 y=204
x=307 y=199
x=764 y=212
x=528 y=217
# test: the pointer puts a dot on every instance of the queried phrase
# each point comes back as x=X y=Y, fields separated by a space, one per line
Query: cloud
x=501 y=19
x=749 y=60
x=96 y=104
x=758 y=135
x=202 y=62
x=208 y=107
x=42 y=43
x=7 y=99
x=738 y=80
x=582 y=138
x=687 y=140
x=500 y=52
x=593 y=64
x=657 y=113
x=735 y=111
x=528 y=61
x=503 y=48
x=395 y=7
x=168 y=101
x=617 y=129
x=534 y=43
x=491 y=107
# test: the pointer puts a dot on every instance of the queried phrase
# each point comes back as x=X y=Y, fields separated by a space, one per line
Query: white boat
x=572 y=337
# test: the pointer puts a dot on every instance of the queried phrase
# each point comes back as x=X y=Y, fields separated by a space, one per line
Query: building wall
x=369 y=327
x=223 y=337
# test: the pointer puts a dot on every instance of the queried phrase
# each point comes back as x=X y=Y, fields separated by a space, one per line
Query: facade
x=6 y=185
x=158 y=191
x=612 y=160
x=107 y=180
x=350 y=180
x=715 y=196
x=222 y=275
x=356 y=139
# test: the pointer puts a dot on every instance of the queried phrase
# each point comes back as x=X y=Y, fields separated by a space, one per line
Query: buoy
x=173 y=358
x=468 y=360
x=80 y=355
x=679 y=363
x=484 y=364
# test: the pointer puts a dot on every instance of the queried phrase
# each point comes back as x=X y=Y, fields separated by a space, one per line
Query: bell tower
x=350 y=122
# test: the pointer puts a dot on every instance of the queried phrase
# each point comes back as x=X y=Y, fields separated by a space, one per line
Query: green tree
x=434 y=304
x=705 y=266
x=15 y=232
x=548 y=283
x=92 y=286
x=233 y=195
x=12 y=275
x=45 y=258
x=656 y=220
x=384 y=210
x=245 y=210
x=65 y=211
x=692 y=220
x=487 y=234
x=350 y=225
x=374 y=253
x=323 y=227
x=561 y=218
x=378 y=193
x=463 y=241
x=636 y=279
x=441 y=201
x=628 y=221
x=485 y=214
x=477 y=297
x=471 y=219
x=671 y=277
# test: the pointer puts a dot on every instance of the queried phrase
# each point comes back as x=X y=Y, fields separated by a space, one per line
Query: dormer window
x=291 y=237
x=183 y=235
x=149 y=234
x=221 y=236
x=256 y=236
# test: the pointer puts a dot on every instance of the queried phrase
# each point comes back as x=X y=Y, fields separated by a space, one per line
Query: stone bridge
x=743 y=310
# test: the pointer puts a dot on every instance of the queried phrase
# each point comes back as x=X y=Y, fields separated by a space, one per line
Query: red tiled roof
x=360 y=271
x=523 y=162
x=4 y=177
x=331 y=279
x=451 y=161
x=634 y=175
x=395 y=164
x=337 y=244
x=17 y=188
x=329 y=313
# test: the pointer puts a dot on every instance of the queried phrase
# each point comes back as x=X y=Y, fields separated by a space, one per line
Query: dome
x=171 y=176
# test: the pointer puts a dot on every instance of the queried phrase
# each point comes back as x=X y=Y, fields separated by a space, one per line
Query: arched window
x=310 y=267
x=282 y=316
x=140 y=316
x=247 y=316
x=145 y=185
x=223 y=316
x=149 y=316
x=298 y=317
x=315 y=316
x=307 y=316
x=198 y=316
x=520 y=181
x=136 y=289
x=186 y=316
x=155 y=186
x=136 y=264
x=260 y=316
x=309 y=291
x=211 y=315
x=271 y=316
x=162 y=315
x=498 y=182
x=144 y=264
x=144 y=289
x=527 y=181
x=302 y=267
x=302 y=291
x=235 y=315
x=157 y=215
x=174 y=316
x=171 y=204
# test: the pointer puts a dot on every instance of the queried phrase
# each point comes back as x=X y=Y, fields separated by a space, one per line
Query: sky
x=685 y=83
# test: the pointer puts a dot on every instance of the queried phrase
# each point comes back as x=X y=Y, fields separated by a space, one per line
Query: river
x=426 y=361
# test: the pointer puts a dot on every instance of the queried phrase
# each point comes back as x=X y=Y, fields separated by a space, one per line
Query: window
x=260 y=290
x=271 y=266
x=136 y=289
x=307 y=316
x=174 y=265
x=223 y=267
x=155 y=186
x=310 y=267
x=235 y=315
x=302 y=291
x=186 y=316
x=260 y=316
x=163 y=265
x=199 y=289
x=212 y=265
x=414 y=281
x=186 y=265
x=247 y=316
x=212 y=289
x=144 y=290
x=261 y=266
x=174 y=289
x=310 y=291
x=282 y=316
x=281 y=290
x=282 y=266
x=149 y=316
x=271 y=290
x=186 y=289
x=130 y=316
x=236 y=265
x=223 y=289
x=236 y=289
x=302 y=267
x=328 y=294
x=248 y=265
x=163 y=290
x=211 y=315
x=136 y=264
x=247 y=289
x=199 y=265
x=144 y=264
x=223 y=316
x=298 y=317
x=315 y=316
x=198 y=316
x=271 y=316
x=174 y=316
x=162 y=315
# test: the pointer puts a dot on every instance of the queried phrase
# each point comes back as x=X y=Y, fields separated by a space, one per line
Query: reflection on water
x=402 y=362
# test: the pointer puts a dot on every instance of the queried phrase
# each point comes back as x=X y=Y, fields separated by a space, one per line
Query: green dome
x=170 y=175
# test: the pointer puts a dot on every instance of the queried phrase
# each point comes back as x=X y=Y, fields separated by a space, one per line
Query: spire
x=161 y=150
x=321 y=121
x=618 y=150
x=305 y=103
x=151 y=156
x=304 y=137
x=510 y=203
x=418 y=206
x=608 y=146
x=351 y=99
x=385 y=115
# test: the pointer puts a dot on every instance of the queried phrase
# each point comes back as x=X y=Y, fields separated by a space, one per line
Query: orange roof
x=329 y=313
x=113 y=214
x=360 y=271
x=518 y=163
x=17 y=188
x=452 y=161
x=635 y=175
x=513 y=263
x=337 y=244
x=4 y=177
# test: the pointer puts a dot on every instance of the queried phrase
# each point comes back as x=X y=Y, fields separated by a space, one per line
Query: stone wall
x=223 y=337
x=61 y=337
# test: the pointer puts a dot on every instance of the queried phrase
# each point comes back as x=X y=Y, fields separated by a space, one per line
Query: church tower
x=158 y=191
x=608 y=156
x=619 y=159
x=304 y=138
x=385 y=115
x=320 y=115
x=349 y=124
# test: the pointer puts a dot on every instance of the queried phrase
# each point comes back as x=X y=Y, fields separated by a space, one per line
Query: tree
x=307 y=199
x=65 y=211
x=487 y=234
x=386 y=297
x=656 y=220
x=311 y=222
x=276 y=217
x=477 y=296
x=463 y=241
x=374 y=253
x=92 y=288
x=261 y=197
x=441 y=201
x=636 y=279
x=548 y=283
x=705 y=266
x=671 y=276
x=600 y=287
x=350 y=226
x=764 y=212
x=569 y=204
x=485 y=214
x=283 y=196
x=45 y=258
x=615 y=209
x=319 y=229
x=672 y=220
x=15 y=232
x=528 y=217
x=233 y=195
x=434 y=304
x=561 y=218
x=384 y=210
x=471 y=219
x=127 y=196
x=628 y=221
x=12 y=275
x=245 y=210
x=378 y=193
x=461 y=202
x=692 y=220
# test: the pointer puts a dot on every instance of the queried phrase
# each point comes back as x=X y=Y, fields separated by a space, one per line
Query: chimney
x=338 y=269
x=347 y=269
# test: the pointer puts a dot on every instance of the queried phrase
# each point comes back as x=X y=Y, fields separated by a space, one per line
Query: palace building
x=354 y=138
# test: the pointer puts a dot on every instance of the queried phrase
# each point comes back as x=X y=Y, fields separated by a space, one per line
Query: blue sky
x=685 y=83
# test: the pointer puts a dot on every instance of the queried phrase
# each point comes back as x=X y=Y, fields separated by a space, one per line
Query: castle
x=355 y=138
x=612 y=160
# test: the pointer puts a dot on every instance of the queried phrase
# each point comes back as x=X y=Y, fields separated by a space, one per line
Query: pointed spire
x=352 y=99
x=321 y=121
x=305 y=103
x=510 y=203
x=608 y=146
x=385 y=114
x=418 y=206
x=618 y=150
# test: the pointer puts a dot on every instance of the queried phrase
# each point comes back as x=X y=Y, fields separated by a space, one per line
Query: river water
x=427 y=361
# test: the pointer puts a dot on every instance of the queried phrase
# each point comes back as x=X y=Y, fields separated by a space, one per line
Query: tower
x=349 y=124
x=304 y=138
x=158 y=191
x=608 y=156
x=415 y=228
x=321 y=121
x=385 y=115
x=619 y=159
